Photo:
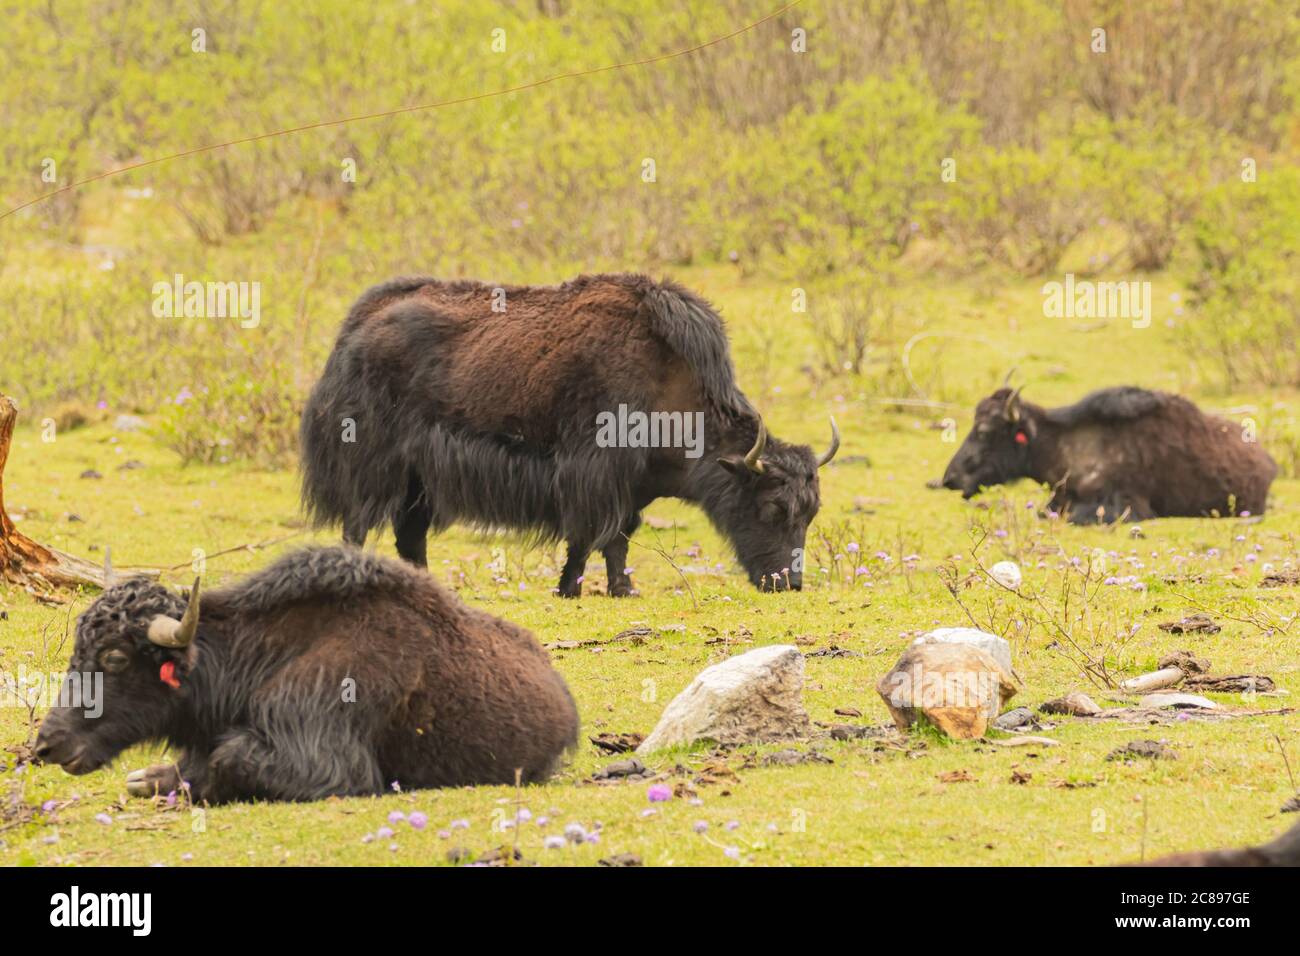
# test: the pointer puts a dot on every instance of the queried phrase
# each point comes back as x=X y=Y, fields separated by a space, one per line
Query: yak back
x=321 y=575
x=1110 y=405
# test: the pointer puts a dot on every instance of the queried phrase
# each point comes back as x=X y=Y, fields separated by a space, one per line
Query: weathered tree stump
x=22 y=560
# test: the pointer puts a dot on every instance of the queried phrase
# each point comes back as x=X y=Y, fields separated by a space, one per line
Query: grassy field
x=877 y=801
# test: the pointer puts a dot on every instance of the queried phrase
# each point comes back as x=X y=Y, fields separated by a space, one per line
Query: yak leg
x=412 y=525
x=305 y=766
x=574 y=567
x=164 y=778
x=620 y=585
x=158 y=780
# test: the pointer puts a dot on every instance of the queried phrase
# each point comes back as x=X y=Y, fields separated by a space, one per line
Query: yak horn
x=1007 y=381
x=752 y=461
x=835 y=445
x=168 y=632
x=1011 y=411
x=110 y=576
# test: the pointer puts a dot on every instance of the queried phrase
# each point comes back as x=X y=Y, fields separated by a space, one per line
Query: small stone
x=1073 y=705
x=1007 y=574
x=1191 y=624
x=1150 y=749
x=1020 y=717
x=1160 y=701
x=128 y=423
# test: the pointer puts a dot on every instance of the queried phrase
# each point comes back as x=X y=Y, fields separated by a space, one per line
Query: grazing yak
x=331 y=672
x=559 y=411
x=1119 y=453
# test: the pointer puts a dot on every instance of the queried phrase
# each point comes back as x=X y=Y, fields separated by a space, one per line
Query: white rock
x=1154 y=701
x=1007 y=574
x=748 y=698
x=128 y=423
x=992 y=645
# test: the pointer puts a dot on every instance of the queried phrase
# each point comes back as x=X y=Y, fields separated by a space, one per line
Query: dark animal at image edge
x=1119 y=453
x=460 y=413
x=1283 y=851
x=252 y=687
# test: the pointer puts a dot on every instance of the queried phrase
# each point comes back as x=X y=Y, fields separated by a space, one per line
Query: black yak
x=559 y=411
x=331 y=672
x=1119 y=453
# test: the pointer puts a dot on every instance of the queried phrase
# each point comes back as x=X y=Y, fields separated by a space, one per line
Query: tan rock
x=957 y=688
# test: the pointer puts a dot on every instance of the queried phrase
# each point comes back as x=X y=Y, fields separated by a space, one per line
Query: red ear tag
x=167 y=674
x=1022 y=438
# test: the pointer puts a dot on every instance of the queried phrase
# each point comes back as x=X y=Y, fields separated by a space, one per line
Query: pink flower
x=659 y=792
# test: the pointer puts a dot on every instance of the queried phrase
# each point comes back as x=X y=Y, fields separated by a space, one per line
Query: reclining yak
x=460 y=401
x=331 y=672
x=1120 y=453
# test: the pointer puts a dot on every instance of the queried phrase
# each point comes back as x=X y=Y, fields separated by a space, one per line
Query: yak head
x=123 y=685
x=769 y=496
x=997 y=449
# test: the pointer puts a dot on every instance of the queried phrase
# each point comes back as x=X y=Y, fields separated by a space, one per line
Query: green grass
x=871 y=805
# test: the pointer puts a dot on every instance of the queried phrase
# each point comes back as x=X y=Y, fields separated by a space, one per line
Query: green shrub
x=1245 y=281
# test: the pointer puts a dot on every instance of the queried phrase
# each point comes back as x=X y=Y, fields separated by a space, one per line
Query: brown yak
x=558 y=411
x=1118 y=454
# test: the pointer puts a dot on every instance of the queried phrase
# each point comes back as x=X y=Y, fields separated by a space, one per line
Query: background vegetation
x=776 y=173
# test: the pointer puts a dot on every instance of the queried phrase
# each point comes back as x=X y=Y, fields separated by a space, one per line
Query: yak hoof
x=621 y=589
x=158 y=780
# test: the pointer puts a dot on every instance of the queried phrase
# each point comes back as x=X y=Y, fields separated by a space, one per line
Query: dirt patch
x=1191 y=624
x=1148 y=749
x=1280 y=579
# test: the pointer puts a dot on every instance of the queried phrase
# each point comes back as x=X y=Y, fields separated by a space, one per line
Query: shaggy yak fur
x=331 y=672
x=461 y=401
x=1120 y=453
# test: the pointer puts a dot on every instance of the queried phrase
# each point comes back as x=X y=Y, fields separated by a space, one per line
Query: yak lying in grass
x=1282 y=851
x=460 y=401
x=1120 y=453
x=331 y=672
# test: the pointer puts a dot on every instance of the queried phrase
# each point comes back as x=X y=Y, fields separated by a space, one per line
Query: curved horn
x=110 y=576
x=168 y=632
x=752 y=461
x=835 y=445
x=1011 y=410
x=1007 y=381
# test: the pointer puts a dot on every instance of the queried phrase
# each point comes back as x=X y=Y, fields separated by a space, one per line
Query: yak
x=491 y=405
x=1121 y=453
x=330 y=672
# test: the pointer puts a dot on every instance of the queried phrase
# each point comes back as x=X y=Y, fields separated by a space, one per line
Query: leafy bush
x=1245 y=281
x=1021 y=207
x=241 y=418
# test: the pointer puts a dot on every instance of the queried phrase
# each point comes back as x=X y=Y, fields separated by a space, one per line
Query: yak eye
x=114 y=660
